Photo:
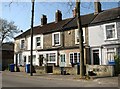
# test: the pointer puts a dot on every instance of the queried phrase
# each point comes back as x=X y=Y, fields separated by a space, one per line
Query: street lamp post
x=31 y=51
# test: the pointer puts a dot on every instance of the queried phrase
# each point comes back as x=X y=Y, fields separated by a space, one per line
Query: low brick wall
x=101 y=70
x=40 y=69
x=69 y=70
x=56 y=70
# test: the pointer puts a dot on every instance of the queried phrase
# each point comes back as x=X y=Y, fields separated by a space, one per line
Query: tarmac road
x=23 y=80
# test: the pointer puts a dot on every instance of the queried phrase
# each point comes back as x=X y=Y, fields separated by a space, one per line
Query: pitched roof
x=85 y=20
x=50 y=27
x=107 y=15
x=72 y=23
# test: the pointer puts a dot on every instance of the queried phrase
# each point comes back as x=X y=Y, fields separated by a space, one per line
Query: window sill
x=38 y=47
x=112 y=39
x=77 y=43
x=55 y=45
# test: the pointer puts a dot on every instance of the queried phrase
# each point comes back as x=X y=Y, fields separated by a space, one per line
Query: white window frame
x=73 y=57
x=35 y=42
x=114 y=50
x=77 y=37
x=48 y=60
x=21 y=44
x=105 y=35
x=39 y=41
x=53 y=43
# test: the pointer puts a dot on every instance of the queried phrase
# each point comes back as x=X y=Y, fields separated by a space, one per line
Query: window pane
x=22 y=43
x=110 y=54
x=63 y=58
x=38 y=41
x=56 y=38
x=71 y=58
x=78 y=60
x=110 y=31
x=75 y=57
x=52 y=56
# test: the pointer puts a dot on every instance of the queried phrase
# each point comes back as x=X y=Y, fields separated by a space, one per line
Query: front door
x=96 y=58
x=40 y=60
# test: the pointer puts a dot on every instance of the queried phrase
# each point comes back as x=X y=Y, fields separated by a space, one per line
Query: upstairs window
x=110 y=31
x=38 y=41
x=56 y=39
x=77 y=36
x=22 y=44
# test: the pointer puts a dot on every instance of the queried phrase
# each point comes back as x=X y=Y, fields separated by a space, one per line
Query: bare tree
x=7 y=30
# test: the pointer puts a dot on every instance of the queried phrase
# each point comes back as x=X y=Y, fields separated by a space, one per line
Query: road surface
x=11 y=80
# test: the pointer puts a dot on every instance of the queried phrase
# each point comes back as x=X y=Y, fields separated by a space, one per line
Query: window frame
x=77 y=37
x=78 y=57
x=22 y=46
x=64 y=58
x=115 y=31
x=113 y=51
x=39 y=41
x=53 y=39
x=48 y=58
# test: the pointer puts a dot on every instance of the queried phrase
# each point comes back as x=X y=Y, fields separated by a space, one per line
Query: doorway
x=96 y=59
x=40 y=60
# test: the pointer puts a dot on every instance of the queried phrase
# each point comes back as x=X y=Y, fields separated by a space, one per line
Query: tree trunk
x=82 y=67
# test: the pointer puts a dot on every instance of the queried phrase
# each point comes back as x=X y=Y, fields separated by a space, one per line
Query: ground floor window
x=74 y=57
x=62 y=57
x=34 y=58
x=51 y=57
x=20 y=59
x=110 y=54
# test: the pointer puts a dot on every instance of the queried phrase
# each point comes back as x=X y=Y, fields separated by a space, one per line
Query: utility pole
x=31 y=51
x=81 y=47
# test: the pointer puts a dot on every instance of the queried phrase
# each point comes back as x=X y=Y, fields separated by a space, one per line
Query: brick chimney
x=97 y=6
x=74 y=12
x=58 y=16
x=43 y=20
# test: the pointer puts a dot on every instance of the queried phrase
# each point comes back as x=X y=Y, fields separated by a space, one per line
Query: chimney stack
x=58 y=16
x=74 y=12
x=97 y=6
x=43 y=20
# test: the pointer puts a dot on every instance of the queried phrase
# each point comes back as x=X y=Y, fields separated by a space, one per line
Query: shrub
x=117 y=65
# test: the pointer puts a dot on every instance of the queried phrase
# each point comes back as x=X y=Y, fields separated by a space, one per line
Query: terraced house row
x=57 y=43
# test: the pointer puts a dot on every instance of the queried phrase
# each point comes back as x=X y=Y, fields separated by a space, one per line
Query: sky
x=20 y=12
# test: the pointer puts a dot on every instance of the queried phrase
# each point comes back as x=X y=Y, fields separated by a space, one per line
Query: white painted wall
x=96 y=35
x=34 y=42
